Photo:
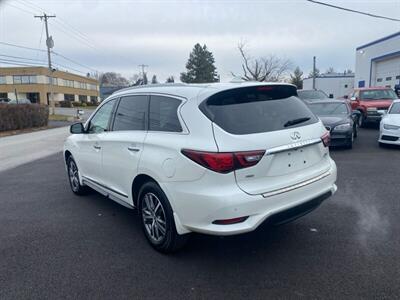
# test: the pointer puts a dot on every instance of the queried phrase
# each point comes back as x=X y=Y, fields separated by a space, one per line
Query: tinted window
x=326 y=109
x=311 y=95
x=395 y=108
x=257 y=109
x=164 y=114
x=131 y=113
x=378 y=94
x=99 y=122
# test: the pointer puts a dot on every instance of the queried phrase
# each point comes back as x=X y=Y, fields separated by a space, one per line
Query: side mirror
x=330 y=96
x=346 y=97
x=77 y=128
x=356 y=113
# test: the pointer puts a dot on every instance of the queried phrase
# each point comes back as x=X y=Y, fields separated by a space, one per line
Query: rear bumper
x=196 y=208
x=372 y=117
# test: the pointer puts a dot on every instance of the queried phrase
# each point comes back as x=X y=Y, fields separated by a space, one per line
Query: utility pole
x=314 y=71
x=143 y=66
x=49 y=44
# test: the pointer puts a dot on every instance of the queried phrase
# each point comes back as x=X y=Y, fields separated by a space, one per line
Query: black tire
x=382 y=145
x=158 y=222
x=361 y=121
x=73 y=178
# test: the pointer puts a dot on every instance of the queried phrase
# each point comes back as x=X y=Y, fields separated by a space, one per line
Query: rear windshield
x=257 y=109
x=328 y=109
x=311 y=95
x=378 y=94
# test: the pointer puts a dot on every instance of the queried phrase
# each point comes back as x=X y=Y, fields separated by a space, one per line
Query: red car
x=369 y=101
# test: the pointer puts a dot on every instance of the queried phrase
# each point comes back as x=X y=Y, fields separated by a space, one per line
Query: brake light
x=230 y=221
x=224 y=162
x=326 y=139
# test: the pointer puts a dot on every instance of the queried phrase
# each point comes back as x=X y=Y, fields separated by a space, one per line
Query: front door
x=90 y=144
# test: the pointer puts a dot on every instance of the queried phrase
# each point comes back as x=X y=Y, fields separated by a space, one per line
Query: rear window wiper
x=296 y=121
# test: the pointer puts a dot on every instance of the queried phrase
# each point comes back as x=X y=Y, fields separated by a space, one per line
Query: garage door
x=387 y=72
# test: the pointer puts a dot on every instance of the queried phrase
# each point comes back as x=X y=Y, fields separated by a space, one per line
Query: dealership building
x=335 y=85
x=33 y=83
x=378 y=62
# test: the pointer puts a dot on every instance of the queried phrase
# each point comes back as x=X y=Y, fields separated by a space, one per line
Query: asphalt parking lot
x=54 y=245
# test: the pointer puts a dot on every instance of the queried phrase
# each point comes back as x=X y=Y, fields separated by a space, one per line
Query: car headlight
x=342 y=127
x=372 y=109
x=391 y=127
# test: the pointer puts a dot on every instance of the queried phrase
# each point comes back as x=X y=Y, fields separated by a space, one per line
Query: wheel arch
x=137 y=183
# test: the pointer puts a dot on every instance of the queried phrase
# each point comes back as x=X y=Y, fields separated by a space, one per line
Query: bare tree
x=270 y=68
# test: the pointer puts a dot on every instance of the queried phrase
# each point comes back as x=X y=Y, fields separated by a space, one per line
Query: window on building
x=93 y=99
x=131 y=113
x=82 y=85
x=379 y=80
x=346 y=86
x=82 y=98
x=68 y=83
x=3 y=80
x=69 y=97
x=24 y=79
x=388 y=78
x=398 y=77
x=164 y=114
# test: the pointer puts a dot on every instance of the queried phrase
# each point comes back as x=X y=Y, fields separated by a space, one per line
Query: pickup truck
x=372 y=102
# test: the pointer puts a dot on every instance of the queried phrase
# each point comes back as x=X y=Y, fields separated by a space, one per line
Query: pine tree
x=170 y=79
x=200 y=66
x=144 y=79
x=312 y=73
x=297 y=78
x=154 y=79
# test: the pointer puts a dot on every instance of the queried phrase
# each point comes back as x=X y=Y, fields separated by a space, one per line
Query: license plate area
x=292 y=161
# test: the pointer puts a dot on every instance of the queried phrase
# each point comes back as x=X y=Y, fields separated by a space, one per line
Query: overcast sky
x=118 y=35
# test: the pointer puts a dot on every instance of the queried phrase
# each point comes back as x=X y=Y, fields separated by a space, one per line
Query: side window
x=164 y=114
x=100 y=120
x=131 y=113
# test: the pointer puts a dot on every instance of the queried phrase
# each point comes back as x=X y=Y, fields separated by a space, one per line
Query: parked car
x=312 y=95
x=4 y=100
x=339 y=119
x=20 y=101
x=369 y=101
x=217 y=159
x=390 y=125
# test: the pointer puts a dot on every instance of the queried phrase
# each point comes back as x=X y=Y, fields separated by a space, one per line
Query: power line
x=22 y=47
x=73 y=61
x=20 y=57
x=19 y=8
x=354 y=11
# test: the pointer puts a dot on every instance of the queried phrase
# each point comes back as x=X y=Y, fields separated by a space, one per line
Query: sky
x=119 y=35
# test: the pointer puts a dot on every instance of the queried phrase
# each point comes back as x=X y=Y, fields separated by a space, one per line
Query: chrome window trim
x=293 y=146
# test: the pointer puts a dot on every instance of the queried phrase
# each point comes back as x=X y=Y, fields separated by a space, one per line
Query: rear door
x=123 y=146
x=268 y=118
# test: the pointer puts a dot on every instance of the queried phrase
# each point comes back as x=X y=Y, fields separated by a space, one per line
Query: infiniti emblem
x=295 y=135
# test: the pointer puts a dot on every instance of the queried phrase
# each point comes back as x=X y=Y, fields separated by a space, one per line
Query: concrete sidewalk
x=23 y=148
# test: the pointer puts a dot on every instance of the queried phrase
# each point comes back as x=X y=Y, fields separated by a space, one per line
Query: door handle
x=133 y=149
x=97 y=147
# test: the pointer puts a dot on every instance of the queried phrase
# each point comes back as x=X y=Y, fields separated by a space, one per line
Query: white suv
x=214 y=158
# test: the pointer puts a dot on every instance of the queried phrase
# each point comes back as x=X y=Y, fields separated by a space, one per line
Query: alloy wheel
x=154 y=219
x=73 y=175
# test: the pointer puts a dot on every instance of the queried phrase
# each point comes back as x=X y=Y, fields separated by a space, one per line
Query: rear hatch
x=270 y=118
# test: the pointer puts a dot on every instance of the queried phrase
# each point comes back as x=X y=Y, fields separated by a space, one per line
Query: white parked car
x=218 y=159
x=390 y=125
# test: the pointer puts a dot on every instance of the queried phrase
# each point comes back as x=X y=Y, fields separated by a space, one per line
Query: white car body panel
x=197 y=195
x=390 y=119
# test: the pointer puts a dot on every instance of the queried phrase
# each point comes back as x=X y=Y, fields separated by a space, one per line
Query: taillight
x=224 y=162
x=326 y=139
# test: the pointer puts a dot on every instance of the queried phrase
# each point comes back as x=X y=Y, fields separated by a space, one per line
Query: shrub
x=66 y=103
x=20 y=116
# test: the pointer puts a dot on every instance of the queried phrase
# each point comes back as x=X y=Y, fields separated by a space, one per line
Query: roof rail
x=134 y=87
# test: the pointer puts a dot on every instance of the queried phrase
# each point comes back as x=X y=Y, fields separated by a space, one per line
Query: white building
x=336 y=84
x=378 y=62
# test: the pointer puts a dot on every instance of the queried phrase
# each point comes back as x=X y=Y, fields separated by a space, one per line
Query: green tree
x=170 y=79
x=297 y=78
x=154 y=79
x=200 y=66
